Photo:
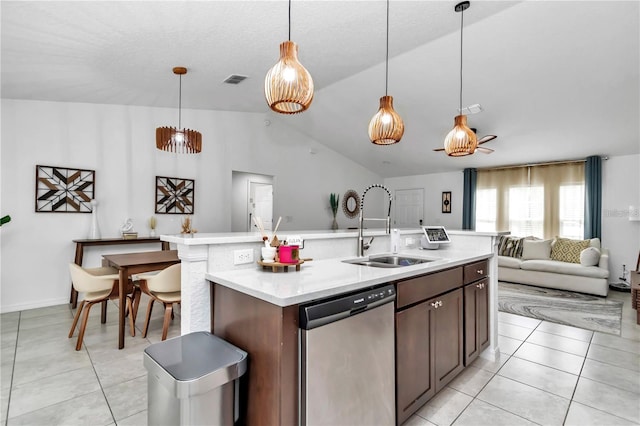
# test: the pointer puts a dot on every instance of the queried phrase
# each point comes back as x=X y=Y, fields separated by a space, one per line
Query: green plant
x=334 y=200
x=5 y=219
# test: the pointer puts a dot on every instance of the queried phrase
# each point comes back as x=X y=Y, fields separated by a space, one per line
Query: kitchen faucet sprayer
x=361 y=244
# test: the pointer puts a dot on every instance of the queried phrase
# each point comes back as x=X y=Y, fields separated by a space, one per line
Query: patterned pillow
x=510 y=246
x=566 y=250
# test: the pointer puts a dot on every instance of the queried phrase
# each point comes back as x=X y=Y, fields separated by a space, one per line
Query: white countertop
x=325 y=278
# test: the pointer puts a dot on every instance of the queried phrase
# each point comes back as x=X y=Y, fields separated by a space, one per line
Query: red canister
x=289 y=254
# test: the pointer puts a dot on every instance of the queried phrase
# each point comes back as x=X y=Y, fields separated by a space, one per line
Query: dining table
x=136 y=263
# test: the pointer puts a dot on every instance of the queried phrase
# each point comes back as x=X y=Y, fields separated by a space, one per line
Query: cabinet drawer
x=421 y=288
x=475 y=271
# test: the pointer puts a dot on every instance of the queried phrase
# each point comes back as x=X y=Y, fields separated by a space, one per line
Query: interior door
x=261 y=204
x=409 y=208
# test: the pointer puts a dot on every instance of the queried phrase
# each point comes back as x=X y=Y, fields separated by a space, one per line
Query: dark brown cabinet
x=476 y=310
x=429 y=338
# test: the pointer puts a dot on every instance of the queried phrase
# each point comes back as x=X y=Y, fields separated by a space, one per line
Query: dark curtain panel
x=593 y=197
x=469 y=199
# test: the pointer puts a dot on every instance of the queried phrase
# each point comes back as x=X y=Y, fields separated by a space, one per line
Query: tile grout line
x=13 y=369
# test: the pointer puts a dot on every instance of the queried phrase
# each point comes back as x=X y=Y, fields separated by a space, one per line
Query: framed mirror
x=351 y=204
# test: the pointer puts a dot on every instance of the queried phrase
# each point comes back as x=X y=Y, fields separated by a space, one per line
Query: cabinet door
x=448 y=333
x=476 y=319
x=414 y=364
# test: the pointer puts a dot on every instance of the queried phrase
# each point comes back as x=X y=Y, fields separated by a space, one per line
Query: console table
x=81 y=244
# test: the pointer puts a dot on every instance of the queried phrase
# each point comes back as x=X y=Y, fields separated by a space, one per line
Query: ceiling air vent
x=235 y=79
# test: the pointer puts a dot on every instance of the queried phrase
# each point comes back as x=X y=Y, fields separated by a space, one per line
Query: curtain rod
x=545 y=163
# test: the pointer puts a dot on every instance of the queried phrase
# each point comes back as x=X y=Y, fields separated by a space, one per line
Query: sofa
x=535 y=262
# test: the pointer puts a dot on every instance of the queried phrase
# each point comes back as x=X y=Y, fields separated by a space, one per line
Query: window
x=526 y=211
x=486 y=212
x=541 y=200
x=572 y=211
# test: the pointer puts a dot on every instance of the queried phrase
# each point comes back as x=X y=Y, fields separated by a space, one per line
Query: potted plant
x=334 y=200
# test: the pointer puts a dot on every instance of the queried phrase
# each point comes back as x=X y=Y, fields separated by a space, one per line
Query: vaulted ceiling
x=557 y=80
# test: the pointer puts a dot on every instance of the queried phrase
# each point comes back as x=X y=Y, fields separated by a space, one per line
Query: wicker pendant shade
x=461 y=140
x=288 y=86
x=386 y=127
x=179 y=140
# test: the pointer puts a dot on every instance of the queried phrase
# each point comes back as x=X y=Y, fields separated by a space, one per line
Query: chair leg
x=83 y=326
x=168 y=314
x=146 y=321
x=75 y=319
x=136 y=302
x=132 y=326
x=103 y=315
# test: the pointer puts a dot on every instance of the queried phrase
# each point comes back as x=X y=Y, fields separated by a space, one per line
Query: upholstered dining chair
x=98 y=285
x=163 y=287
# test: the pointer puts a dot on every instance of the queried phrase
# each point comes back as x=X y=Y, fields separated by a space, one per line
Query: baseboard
x=34 y=305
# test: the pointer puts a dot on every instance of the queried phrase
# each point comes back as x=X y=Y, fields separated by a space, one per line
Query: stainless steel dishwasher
x=347 y=359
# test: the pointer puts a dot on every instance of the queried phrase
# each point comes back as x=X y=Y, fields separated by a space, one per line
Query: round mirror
x=351 y=203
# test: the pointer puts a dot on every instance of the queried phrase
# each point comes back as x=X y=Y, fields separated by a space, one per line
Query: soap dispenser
x=395 y=240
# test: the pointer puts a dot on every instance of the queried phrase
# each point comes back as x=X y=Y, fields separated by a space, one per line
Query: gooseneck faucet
x=361 y=244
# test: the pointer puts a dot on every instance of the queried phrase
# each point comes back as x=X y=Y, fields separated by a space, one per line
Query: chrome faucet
x=362 y=246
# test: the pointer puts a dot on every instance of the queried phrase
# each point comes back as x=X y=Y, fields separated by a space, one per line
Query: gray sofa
x=559 y=275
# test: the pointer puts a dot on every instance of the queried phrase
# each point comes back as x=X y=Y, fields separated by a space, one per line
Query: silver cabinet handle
x=436 y=304
x=479 y=285
x=480 y=271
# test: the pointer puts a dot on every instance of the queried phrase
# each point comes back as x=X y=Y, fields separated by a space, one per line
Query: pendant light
x=288 y=86
x=386 y=126
x=461 y=140
x=182 y=141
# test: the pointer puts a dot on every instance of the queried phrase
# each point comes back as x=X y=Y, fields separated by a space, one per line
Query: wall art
x=63 y=190
x=446 y=202
x=174 y=195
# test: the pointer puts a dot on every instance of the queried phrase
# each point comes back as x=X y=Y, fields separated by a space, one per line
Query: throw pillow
x=536 y=249
x=590 y=256
x=510 y=246
x=566 y=250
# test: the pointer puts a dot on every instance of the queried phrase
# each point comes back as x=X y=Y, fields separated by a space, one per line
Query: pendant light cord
x=461 y=25
x=180 y=105
x=289 y=20
x=386 y=77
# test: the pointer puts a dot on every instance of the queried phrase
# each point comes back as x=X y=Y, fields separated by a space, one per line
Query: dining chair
x=163 y=287
x=98 y=285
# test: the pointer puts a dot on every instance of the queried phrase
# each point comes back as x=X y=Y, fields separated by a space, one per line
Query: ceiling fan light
x=461 y=140
x=386 y=127
x=288 y=86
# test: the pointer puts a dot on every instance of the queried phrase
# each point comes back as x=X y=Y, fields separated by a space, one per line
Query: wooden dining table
x=135 y=263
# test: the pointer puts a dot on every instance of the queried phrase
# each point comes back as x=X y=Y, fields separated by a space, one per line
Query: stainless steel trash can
x=193 y=380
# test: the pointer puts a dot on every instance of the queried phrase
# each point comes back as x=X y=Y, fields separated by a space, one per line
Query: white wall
x=118 y=143
x=621 y=189
x=434 y=185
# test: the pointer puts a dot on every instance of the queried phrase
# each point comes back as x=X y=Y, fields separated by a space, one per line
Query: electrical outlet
x=241 y=257
x=409 y=241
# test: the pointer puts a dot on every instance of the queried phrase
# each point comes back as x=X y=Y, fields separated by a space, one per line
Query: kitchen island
x=258 y=310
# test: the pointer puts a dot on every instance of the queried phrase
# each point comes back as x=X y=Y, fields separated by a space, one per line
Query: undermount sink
x=387 y=261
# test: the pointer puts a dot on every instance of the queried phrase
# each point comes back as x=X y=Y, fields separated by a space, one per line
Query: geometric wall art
x=62 y=190
x=446 y=202
x=174 y=195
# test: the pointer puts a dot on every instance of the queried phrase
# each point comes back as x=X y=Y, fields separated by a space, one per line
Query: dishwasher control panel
x=326 y=311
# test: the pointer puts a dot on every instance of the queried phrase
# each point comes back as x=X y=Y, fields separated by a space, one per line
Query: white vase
x=152 y=233
x=94 y=230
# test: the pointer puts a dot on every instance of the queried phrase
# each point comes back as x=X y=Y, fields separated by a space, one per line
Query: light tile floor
x=547 y=374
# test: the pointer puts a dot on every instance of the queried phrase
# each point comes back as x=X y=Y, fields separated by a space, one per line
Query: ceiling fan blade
x=484 y=150
x=438 y=149
x=487 y=138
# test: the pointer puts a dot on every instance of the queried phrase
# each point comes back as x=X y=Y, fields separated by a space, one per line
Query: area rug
x=562 y=307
